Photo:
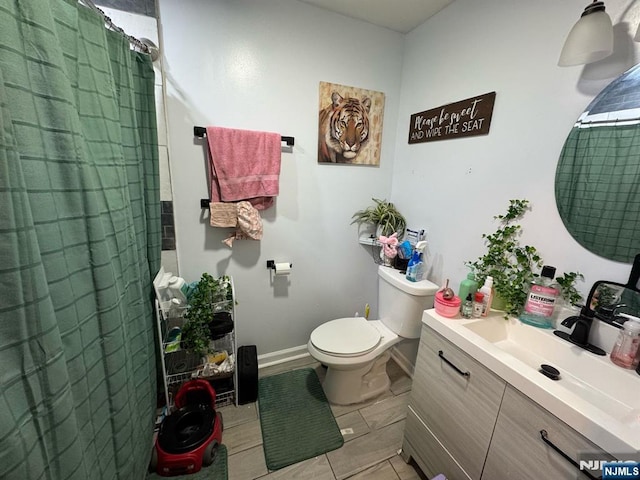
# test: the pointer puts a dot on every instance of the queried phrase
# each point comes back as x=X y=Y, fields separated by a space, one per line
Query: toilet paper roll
x=283 y=268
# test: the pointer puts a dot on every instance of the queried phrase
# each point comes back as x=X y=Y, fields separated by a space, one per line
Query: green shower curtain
x=79 y=244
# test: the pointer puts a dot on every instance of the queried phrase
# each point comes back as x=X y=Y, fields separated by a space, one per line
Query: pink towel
x=244 y=165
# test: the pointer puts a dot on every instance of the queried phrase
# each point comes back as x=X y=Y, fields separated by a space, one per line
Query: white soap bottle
x=487 y=291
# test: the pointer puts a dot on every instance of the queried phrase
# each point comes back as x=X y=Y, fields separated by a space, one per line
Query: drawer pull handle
x=545 y=438
x=464 y=374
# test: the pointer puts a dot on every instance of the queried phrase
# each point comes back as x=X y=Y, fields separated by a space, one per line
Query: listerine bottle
x=538 y=309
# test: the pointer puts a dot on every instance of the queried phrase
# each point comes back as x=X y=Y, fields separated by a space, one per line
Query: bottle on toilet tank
x=415 y=268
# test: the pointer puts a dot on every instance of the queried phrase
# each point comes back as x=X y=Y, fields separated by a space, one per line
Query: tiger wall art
x=349 y=125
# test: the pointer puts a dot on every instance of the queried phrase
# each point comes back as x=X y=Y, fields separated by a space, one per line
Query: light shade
x=636 y=37
x=590 y=39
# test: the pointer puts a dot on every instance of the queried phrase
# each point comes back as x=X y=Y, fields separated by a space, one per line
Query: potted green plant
x=512 y=265
x=211 y=297
x=384 y=216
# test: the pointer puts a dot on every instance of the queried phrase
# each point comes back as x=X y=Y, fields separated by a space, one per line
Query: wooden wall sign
x=465 y=118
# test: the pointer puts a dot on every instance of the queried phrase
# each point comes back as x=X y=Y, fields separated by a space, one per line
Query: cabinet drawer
x=428 y=453
x=460 y=411
x=518 y=451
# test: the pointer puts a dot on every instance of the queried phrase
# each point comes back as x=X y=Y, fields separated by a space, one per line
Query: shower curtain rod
x=133 y=40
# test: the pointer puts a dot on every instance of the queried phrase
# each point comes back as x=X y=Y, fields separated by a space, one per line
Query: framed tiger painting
x=349 y=125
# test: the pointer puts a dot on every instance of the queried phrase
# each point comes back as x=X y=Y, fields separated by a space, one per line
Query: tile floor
x=370 y=452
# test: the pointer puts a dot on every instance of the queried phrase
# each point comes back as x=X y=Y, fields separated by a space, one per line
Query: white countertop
x=614 y=426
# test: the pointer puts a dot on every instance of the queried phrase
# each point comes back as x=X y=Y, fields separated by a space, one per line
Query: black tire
x=153 y=464
x=210 y=453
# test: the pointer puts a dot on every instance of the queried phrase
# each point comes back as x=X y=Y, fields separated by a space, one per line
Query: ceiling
x=398 y=15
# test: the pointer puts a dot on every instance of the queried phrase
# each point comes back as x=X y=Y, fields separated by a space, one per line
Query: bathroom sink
x=593 y=395
x=604 y=384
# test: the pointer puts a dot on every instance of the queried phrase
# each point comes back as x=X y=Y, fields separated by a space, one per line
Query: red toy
x=189 y=438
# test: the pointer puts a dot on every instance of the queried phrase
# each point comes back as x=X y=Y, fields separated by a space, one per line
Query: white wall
x=455 y=187
x=257 y=65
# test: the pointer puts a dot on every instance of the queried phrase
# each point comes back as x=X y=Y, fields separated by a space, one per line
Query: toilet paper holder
x=271 y=264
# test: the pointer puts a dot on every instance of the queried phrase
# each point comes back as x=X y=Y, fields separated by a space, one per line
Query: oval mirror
x=597 y=183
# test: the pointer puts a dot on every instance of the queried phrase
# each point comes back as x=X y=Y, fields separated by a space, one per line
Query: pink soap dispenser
x=625 y=351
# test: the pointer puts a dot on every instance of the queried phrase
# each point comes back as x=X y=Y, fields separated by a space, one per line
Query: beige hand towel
x=223 y=214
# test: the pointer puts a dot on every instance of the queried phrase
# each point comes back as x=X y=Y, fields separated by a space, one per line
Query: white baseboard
x=282 y=356
x=405 y=364
x=296 y=353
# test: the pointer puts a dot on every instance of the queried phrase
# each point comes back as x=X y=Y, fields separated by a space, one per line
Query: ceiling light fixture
x=590 y=39
x=636 y=37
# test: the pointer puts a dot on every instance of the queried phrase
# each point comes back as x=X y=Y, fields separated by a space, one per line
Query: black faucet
x=582 y=322
x=581 y=329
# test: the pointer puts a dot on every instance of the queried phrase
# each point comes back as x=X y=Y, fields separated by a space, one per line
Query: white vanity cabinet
x=466 y=422
x=453 y=408
x=519 y=451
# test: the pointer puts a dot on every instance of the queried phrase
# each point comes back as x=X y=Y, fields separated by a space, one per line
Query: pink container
x=447 y=308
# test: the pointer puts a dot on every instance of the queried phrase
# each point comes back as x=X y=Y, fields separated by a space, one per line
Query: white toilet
x=355 y=350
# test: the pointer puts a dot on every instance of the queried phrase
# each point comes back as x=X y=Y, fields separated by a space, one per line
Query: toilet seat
x=346 y=337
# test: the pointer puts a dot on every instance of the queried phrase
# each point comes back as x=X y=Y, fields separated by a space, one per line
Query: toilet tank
x=401 y=302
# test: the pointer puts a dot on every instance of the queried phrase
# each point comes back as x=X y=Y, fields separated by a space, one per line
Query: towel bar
x=201 y=132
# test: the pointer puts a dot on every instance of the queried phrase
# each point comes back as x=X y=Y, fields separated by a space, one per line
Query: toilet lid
x=346 y=336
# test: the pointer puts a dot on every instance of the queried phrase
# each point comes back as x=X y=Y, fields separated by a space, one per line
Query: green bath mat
x=216 y=471
x=296 y=419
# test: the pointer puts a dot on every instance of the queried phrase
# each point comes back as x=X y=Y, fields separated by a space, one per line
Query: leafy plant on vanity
x=568 y=289
x=209 y=294
x=383 y=215
x=512 y=265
